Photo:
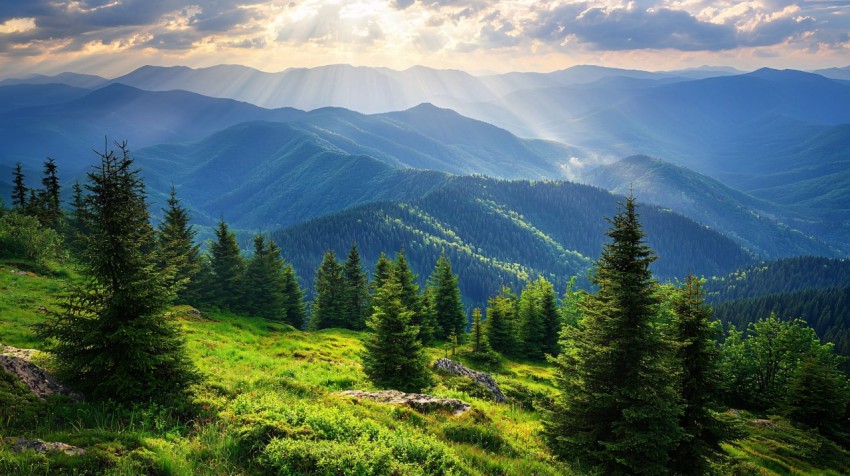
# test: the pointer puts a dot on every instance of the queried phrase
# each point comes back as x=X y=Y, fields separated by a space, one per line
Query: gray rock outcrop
x=481 y=378
x=18 y=362
x=418 y=401
x=19 y=445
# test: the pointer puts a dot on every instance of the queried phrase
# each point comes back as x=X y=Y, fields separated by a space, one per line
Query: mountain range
x=757 y=162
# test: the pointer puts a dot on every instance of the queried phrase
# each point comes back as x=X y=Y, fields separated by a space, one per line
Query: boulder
x=481 y=378
x=19 y=445
x=417 y=401
x=18 y=362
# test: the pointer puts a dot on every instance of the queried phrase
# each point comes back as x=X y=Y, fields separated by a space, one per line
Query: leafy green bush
x=23 y=237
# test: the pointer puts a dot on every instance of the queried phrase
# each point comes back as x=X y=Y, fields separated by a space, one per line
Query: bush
x=483 y=437
x=23 y=237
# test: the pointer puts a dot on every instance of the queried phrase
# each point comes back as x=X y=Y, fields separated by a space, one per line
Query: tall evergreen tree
x=357 y=306
x=51 y=212
x=539 y=320
x=618 y=408
x=112 y=339
x=19 y=190
x=177 y=246
x=502 y=322
x=227 y=268
x=383 y=269
x=329 y=290
x=445 y=299
x=818 y=396
x=479 y=336
x=697 y=354
x=394 y=357
x=293 y=298
x=411 y=297
x=263 y=282
x=76 y=228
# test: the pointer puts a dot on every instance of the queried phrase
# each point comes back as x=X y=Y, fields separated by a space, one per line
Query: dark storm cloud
x=621 y=29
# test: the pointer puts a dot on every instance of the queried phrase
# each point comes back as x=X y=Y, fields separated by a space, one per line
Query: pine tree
x=357 y=306
x=501 y=322
x=383 y=269
x=445 y=299
x=51 y=213
x=411 y=298
x=227 y=268
x=177 y=246
x=112 y=339
x=618 y=408
x=697 y=354
x=76 y=228
x=818 y=396
x=293 y=299
x=393 y=356
x=263 y=282
x=539 y=319
x=479 y=336
x=19 y=191
x=329 y=289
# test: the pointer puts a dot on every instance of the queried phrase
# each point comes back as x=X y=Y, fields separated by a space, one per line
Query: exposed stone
x=481 y=378
x=23 y=273
x=19 y=445
x=18 y=362
x=418 y=401
x=767 y=424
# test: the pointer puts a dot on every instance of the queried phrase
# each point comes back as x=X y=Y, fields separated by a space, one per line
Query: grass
x=269 y=406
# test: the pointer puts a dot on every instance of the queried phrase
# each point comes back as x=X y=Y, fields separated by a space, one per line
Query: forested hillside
x=505 y=232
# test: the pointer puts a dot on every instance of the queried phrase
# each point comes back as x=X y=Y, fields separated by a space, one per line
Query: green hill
x=269 y=403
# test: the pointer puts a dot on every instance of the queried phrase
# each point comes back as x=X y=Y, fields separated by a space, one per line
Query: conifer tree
x=618 y=408
x=818 y=396
x=356 y=291
x=293 y=299
x=263 y=281
x=51 y=212
x=479 y=336
x=329 y=289
x=383 y=268
x=76 y=222
x=112 y=339
x=501 y=322
x=227 y=269
x=697 y=354
x=394 y=357
x=445 y=299
x=177 y=246
x=19 y=190
x=540 y=320
x=411 y=298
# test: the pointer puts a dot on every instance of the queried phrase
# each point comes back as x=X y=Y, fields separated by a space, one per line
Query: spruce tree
x=227 y=268
x=177 y=246
x=356 y=291
x=501 y=322
x=697 y=354
x=19 y=190
x=818 y=396
x=329 y=289
x=293 y=299
x=76 y=228
x=383 y=268
x=479 y=335
x=112 y=339
x=539 y=319
x=411 y=298
x=445 y=299
x=394 y=357
x=51 y=212
x=263 y=282
x=618 y=408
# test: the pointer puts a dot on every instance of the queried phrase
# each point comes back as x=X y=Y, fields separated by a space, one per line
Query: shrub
x=23 y=237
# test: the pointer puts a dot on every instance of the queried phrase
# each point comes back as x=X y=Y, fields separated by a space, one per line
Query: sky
x=113 y=37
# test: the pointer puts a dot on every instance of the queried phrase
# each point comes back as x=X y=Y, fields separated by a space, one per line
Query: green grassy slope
x=268 y=406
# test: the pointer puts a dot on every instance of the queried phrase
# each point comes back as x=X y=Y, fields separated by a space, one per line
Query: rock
x=481 y=378
x=766 y=424
x=23 y=273
x=19 y=445
x=418 y=401
x=18 y=362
